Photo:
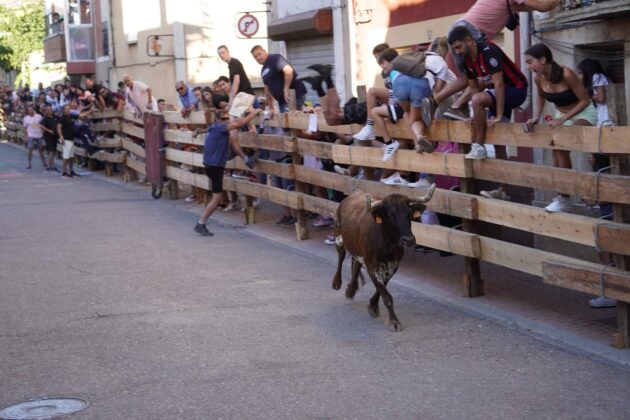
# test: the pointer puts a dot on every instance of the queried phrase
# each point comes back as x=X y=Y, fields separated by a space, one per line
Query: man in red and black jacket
x=496 y=83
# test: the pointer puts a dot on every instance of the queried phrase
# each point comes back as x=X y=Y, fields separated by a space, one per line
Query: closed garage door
x=302 y=53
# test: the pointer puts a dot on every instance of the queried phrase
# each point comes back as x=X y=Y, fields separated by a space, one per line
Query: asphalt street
x=109 y=296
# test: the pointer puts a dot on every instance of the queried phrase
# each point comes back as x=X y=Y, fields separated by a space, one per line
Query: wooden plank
x=522 y=258
x=134 y=148
x=107 y=113
x=181 y=175
x=456 y=131
x=300 y=121
x=612 y=188
x=117 y=157
x=588 y=279
x=132 y=130
x=268 y=142
x=129 y=117
x=181 y=156
x=107 y=143
x=447 y=239
x=452 y=164
x=183 y=136
x=319 y=205
x=175 y=117
x=323 y=179
x=79 y=151
x=566 y=226
x=106 y=126
x=282 y=170
x=137 y=166
x=264 y=192
x=314 y=148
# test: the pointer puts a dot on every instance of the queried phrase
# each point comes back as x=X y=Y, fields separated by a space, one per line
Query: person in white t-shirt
x=595 y=82
x=33 y=134
x=139 y=96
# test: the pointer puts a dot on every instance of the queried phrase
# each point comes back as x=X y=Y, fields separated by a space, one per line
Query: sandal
x=426 y=145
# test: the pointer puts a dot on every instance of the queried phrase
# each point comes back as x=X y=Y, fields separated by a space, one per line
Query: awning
x=303 y=25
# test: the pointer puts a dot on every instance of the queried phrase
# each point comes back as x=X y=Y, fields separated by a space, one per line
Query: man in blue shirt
x=186 y=97
x=278 y=76
x=216 y=149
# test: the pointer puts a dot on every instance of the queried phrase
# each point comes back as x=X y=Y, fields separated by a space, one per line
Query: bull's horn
x=426 y=197
x=374 y=204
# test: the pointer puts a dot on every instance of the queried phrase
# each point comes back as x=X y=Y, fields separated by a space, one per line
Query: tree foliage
x=22 y=31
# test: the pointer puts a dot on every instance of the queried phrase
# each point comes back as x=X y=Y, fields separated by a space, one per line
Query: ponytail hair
x=439 y=46
x=539 y=51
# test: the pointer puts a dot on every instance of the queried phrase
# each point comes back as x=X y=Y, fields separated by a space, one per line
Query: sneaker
x=202 y=230
x=427 y=111
x=558 y=204
x=398 y=180
x=253 y=159
x=54 y=168
x=602 y=302
x=231 y=206
x=289 y=221
x=456 y=114
x=390 y=149
x=75 y=174
x=322 y=222
x=28 y=167
x=283 y=220
x=190 y=199
x=423 y=249
x=366 y=133
x=341 y=171
x=421 y=183
x=424 y=145
x=497 y=194
x=477 y=152
x=330 y=239
x=65 y=175
x=392 y=176
x=237 y=175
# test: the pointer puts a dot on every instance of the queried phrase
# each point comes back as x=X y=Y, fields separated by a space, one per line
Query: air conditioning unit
x=132 y=38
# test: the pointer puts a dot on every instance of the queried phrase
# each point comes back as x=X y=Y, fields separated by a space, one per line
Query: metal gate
x=304 y=52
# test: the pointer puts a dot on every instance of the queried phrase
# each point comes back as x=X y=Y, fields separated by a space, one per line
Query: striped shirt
x=491 y=60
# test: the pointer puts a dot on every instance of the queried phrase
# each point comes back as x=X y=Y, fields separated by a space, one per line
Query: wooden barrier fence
x=559 y=270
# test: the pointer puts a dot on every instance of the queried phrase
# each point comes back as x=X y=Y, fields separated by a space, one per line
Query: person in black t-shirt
x=238 y=77
x=48 y=124
x=67 y=133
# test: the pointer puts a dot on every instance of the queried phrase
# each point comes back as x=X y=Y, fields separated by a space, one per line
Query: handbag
x=513 y=20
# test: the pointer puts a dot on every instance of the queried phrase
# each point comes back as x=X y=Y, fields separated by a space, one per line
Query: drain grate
x=45 y=408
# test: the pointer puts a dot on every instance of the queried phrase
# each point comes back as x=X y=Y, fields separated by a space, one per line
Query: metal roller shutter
x=304 y=52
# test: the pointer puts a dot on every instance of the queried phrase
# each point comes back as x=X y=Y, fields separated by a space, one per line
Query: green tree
x=22 y=31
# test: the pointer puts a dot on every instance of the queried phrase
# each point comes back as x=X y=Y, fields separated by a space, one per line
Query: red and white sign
x=248 y=25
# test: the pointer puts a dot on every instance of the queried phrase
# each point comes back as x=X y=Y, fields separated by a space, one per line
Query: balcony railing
x=578 y=10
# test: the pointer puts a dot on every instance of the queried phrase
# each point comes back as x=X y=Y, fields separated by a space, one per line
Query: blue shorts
x=411 y=89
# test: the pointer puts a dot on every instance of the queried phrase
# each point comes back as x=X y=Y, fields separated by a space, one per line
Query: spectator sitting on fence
x=51 y=99
x=186 y=97
x=496 y=83
x=238 y=78
x=31 y=123
x=95 y=89
x=113 y=100
x=560 y=86
x=216 y=149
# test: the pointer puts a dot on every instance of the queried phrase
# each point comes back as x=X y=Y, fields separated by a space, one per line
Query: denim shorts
x=411 y=89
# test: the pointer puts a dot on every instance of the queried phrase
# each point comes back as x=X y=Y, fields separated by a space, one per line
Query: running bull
x=374 y=233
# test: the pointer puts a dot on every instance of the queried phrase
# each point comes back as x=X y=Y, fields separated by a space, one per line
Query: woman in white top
x=595 y=83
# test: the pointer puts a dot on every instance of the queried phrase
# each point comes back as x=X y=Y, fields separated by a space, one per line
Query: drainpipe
x=525 y=42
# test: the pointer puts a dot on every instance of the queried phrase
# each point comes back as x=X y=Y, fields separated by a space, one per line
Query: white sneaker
x=392 y=176
x=477 y=152
x=341 y=171
x=366 y=133
x=390 y=149
x=497 y=194
x=558 y=204
x=421 y=183
x=397 y=180
x=602 y=302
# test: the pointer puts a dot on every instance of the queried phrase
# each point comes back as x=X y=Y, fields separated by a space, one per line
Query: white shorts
x=68 y=149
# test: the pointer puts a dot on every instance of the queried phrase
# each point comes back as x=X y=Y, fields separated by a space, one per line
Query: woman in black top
x=560 y=86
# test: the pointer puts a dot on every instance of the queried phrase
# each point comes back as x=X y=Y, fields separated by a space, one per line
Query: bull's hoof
x=350 y=292
x=373 y=311
x=394 y=326
x=336 y=284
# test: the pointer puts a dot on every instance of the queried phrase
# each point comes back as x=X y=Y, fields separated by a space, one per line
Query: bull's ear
x=378 y=212
x=416 y=210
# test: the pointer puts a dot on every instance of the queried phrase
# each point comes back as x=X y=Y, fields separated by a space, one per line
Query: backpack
x=412 y=63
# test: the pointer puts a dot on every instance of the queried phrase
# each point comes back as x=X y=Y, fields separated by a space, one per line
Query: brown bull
x=375 y=234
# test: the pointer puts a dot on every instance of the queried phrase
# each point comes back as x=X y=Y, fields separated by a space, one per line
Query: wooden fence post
x=473 y=283
x=301 y=227
x=621 y=214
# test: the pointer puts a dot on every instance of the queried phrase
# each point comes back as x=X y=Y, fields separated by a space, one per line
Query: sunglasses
x=179 y=88
x=225 y=119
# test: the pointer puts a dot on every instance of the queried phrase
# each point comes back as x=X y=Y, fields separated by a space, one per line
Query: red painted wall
x=428 y=9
